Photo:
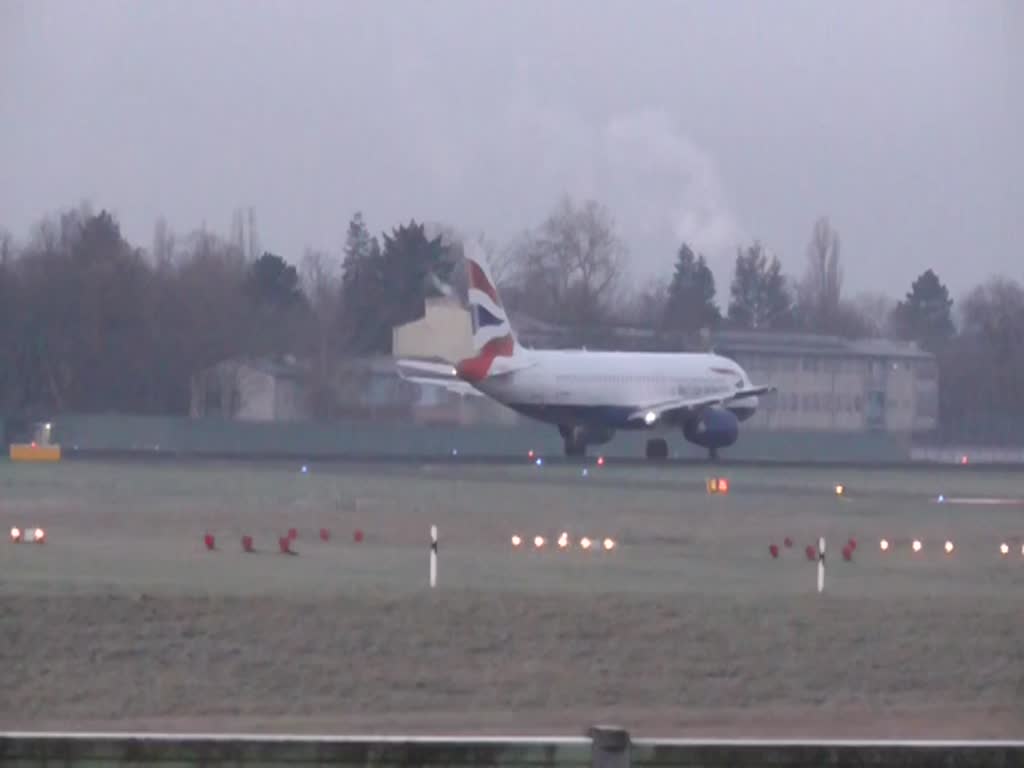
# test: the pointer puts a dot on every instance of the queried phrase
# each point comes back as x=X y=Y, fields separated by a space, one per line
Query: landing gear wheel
x=657 y=449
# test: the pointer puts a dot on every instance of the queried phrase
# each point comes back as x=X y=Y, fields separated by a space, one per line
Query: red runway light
x=293 y=534
x=357 y=535
x=852 y=544
x=210 y=542
x=285 y=545
x=247 y=543
x=774 y=549
x=325 y=535
x=812 y=552
x=600 y=461
x=847 y=553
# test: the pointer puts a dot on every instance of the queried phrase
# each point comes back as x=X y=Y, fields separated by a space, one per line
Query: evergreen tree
x=273 y=283
x=385 y=287
x=760 y=298
x=926 y=314
x=691 y=295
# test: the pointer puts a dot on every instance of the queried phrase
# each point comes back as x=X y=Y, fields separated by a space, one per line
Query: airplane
x=591 y=395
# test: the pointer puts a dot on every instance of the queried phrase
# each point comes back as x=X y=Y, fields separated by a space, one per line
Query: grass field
x=122 y=619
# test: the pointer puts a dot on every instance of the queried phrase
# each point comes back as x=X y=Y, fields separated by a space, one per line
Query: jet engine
x=712 y=428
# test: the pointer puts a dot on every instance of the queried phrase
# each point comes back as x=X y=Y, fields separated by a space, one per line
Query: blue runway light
x=585 y=472
x=305 y=469
x=942 y=498
x=539 y=462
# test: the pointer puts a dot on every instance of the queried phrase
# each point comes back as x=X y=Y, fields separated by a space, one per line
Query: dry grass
x=123 y=620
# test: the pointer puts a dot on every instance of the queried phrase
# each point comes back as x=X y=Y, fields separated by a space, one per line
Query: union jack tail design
x=492 y=334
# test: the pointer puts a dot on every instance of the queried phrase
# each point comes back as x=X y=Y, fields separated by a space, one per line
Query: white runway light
x=538 y=541
x=916 y=546
x=1004 y=549
x=563 y=540
x=949 y=547
x=516 y=540
x=884 y=545
x=609 y=544
x=433 y=556
x=585 y=543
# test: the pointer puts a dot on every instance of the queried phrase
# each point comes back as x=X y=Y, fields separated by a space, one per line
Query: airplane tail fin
x=493 y=336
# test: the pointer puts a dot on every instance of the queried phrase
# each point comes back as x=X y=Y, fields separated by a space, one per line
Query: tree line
x=90 y=322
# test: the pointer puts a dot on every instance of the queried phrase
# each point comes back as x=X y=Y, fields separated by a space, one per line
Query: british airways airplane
x=590 y=395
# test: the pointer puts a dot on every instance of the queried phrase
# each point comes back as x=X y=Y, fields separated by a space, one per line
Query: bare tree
x=568 y=271
x=6 y=248
x=874 y=311
x=820 y=290
x=163 y=243
x=321 y=278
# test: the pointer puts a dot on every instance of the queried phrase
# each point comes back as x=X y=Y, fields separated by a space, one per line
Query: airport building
x=826 y=383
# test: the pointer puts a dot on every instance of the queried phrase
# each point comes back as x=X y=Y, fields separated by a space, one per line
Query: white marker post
x=433 y=556
x=821 y=564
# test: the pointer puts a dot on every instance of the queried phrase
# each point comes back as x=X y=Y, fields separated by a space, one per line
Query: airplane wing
x=651 y=413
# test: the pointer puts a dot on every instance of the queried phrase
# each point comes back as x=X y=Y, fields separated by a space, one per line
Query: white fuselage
x=606 y=388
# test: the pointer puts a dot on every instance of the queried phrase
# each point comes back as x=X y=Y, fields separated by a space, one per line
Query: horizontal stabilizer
x=422 y=367
x=455 y=386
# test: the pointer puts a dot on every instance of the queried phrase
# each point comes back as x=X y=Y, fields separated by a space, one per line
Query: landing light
x=650 y=417
x=840 y=489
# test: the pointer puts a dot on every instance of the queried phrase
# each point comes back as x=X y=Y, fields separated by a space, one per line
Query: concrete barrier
x=604 y=748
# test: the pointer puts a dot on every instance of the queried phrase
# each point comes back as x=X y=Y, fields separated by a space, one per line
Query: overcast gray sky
x=716 y=122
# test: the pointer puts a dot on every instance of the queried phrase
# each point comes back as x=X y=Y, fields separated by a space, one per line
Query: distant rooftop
x=795 y=344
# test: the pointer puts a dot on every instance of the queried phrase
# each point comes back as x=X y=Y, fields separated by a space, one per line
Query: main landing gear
x=574 y=446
